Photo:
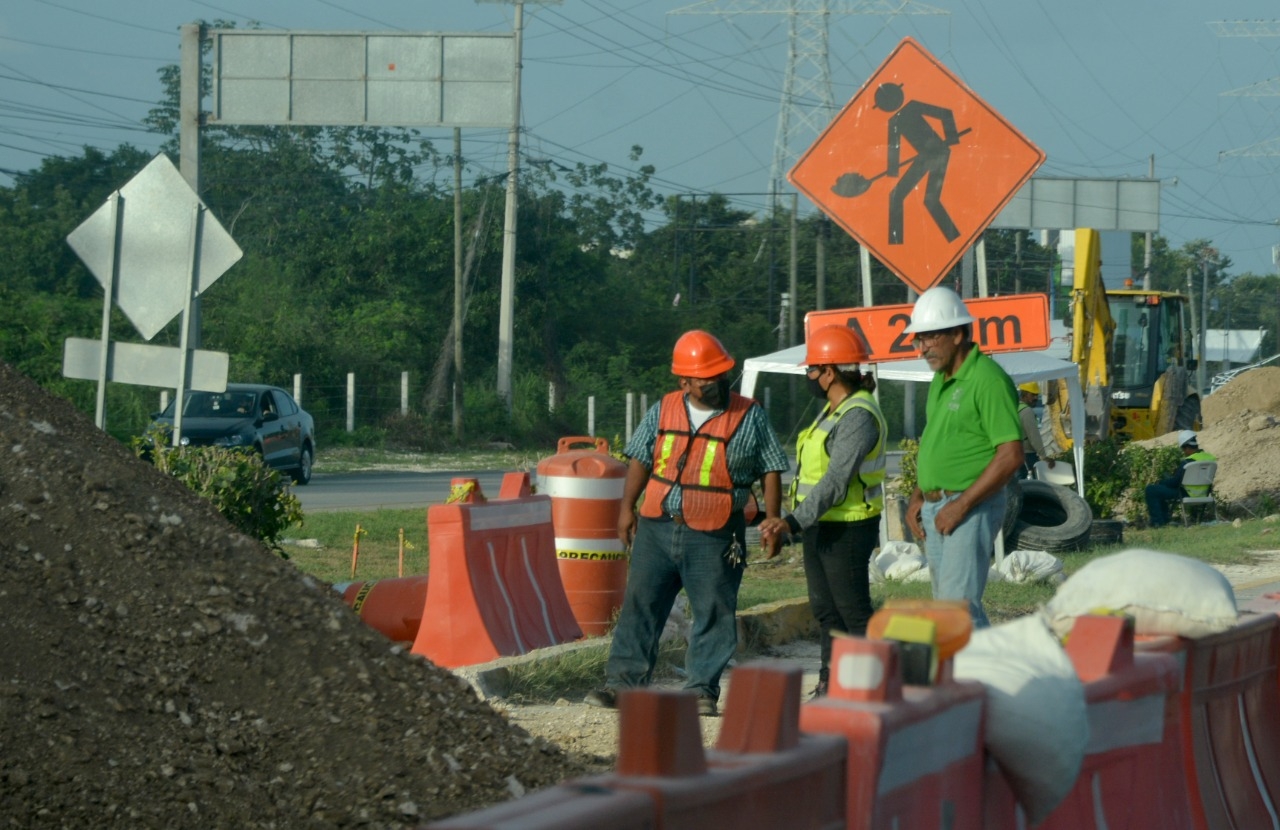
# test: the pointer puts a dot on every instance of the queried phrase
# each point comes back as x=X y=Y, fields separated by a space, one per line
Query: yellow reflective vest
x=865 y=496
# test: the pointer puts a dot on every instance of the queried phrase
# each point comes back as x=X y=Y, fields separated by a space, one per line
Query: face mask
x=715 y=395
x=815 y=388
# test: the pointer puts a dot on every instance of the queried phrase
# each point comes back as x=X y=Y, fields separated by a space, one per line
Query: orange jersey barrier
x=1124 y=782
x=1228 y=710
x=494 y=589
x=585 y=487
x=916 y=754
x=391 y=606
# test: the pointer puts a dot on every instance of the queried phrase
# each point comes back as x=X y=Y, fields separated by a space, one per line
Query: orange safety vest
x=697 y=461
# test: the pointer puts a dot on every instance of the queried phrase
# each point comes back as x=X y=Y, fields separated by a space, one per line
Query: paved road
x=401 y=489
x=393 y=490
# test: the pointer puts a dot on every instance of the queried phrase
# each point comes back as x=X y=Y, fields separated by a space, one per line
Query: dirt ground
x=1242 y=428
x=161 y=670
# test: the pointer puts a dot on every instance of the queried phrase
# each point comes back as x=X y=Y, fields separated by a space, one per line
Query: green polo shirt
x=967 y=417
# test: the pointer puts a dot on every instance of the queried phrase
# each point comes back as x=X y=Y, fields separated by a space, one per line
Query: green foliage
x=1116 y=473
x=905 y=484
x=247 y=492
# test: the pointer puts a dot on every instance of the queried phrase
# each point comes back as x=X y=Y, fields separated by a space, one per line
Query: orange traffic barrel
x=391 y=606
x=585 y=486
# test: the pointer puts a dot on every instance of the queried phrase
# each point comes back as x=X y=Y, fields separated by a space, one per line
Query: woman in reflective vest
x=837 y=494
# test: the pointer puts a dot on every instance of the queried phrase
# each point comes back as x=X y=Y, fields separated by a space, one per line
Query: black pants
x=836 y=556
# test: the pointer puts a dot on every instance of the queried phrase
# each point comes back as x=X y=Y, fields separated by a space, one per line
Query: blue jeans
x=666 y=556
x=958 y=564
x=1159 y=496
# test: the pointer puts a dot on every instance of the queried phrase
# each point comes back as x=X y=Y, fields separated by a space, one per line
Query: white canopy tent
x=1023 y=367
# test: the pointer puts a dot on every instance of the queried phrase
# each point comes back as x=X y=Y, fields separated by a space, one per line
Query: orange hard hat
x=699 y=355
x=835 y=345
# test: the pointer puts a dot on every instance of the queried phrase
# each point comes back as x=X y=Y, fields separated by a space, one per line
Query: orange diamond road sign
x=915 y=166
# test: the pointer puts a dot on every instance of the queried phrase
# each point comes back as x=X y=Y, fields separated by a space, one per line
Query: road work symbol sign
x=916 y=166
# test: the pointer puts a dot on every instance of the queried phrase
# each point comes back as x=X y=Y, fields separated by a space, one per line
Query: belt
x=939 y=495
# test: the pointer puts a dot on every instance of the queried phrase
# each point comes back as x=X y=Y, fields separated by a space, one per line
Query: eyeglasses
x=813 y=371
x=927 y=338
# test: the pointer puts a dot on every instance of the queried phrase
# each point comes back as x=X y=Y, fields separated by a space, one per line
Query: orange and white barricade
x=1229 y=717
x=915 y=753
x=494 y=589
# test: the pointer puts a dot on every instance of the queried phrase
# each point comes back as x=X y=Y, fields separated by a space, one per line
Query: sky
x=1102 y=86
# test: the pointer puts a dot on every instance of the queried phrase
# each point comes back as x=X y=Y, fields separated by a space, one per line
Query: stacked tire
x=1051 y=518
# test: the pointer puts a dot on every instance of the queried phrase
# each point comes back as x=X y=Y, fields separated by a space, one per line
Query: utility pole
x=1146 y=253
x=507 y=291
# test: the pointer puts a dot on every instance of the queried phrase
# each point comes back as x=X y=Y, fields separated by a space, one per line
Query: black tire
x=1188 y=416
x=1012 y=507
x=1053 y=518
x=302 y=475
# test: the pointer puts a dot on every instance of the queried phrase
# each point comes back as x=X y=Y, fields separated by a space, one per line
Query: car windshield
x=219 y=405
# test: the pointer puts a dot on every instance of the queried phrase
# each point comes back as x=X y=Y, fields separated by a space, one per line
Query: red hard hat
x=699 y=355
x=835 y=345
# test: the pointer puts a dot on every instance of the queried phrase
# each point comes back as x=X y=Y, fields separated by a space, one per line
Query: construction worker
x=1169 y=489
x=695 y=456
x=970 y=449
x=1032 y=443
x=837 y=494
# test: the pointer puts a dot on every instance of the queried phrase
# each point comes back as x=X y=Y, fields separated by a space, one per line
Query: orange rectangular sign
x=1015 y=323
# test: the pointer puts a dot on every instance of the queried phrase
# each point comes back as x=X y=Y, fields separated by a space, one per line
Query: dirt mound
x=1257 y=390
x=1242 y=428
x=162 y=670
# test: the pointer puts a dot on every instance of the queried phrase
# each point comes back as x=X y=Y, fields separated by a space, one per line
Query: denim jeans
x=958 y=564
x=836 y=555
x=666 y=556
x=1159 y=497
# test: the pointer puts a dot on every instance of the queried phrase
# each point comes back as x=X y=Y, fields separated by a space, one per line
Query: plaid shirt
x=753 y=451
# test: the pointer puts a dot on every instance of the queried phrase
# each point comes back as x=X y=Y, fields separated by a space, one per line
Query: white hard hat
x=1187 y=436
x=938 y=308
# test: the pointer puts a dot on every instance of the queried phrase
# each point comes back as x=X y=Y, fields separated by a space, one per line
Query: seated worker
x=1032 y=443
x=1167 y=490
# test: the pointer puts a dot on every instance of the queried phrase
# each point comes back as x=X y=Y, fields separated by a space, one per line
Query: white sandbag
x=1030 y=566
x=1164 y=593
x=896 y=560
x=1037 y=724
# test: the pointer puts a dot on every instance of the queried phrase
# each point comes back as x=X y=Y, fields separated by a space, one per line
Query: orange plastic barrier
x=1229 y=716
x=568 y=806
x=392 y=606
x=1124 y=782
x=585 y=487
x=915 y=753
x=763 y=773
x=494 y=589
x=774 y=782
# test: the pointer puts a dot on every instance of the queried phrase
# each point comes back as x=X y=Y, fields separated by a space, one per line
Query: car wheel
x=302 y=475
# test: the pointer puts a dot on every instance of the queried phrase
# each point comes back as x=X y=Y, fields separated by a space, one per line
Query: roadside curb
x=759 y=627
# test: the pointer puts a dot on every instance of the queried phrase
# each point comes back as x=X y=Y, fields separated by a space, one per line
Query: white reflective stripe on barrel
x=612 y=545
x=572 y=487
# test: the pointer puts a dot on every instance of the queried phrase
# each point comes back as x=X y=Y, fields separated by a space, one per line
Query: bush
x=251 y=495
x=1117 y=473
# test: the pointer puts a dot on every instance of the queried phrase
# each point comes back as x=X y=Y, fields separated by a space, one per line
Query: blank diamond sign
x=155 y=246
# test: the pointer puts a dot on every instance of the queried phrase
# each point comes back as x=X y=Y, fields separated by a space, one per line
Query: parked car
x=265 y=418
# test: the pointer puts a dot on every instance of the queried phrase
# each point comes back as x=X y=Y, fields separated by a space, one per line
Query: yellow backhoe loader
x=1134 y=351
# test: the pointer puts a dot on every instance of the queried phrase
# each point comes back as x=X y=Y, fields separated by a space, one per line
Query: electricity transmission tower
x=1263 y=89
x=806 y=104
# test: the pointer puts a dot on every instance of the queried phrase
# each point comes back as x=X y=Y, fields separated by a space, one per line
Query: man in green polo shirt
x=971 y=447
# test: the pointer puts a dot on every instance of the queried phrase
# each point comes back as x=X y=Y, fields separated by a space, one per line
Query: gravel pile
x=161 y=670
